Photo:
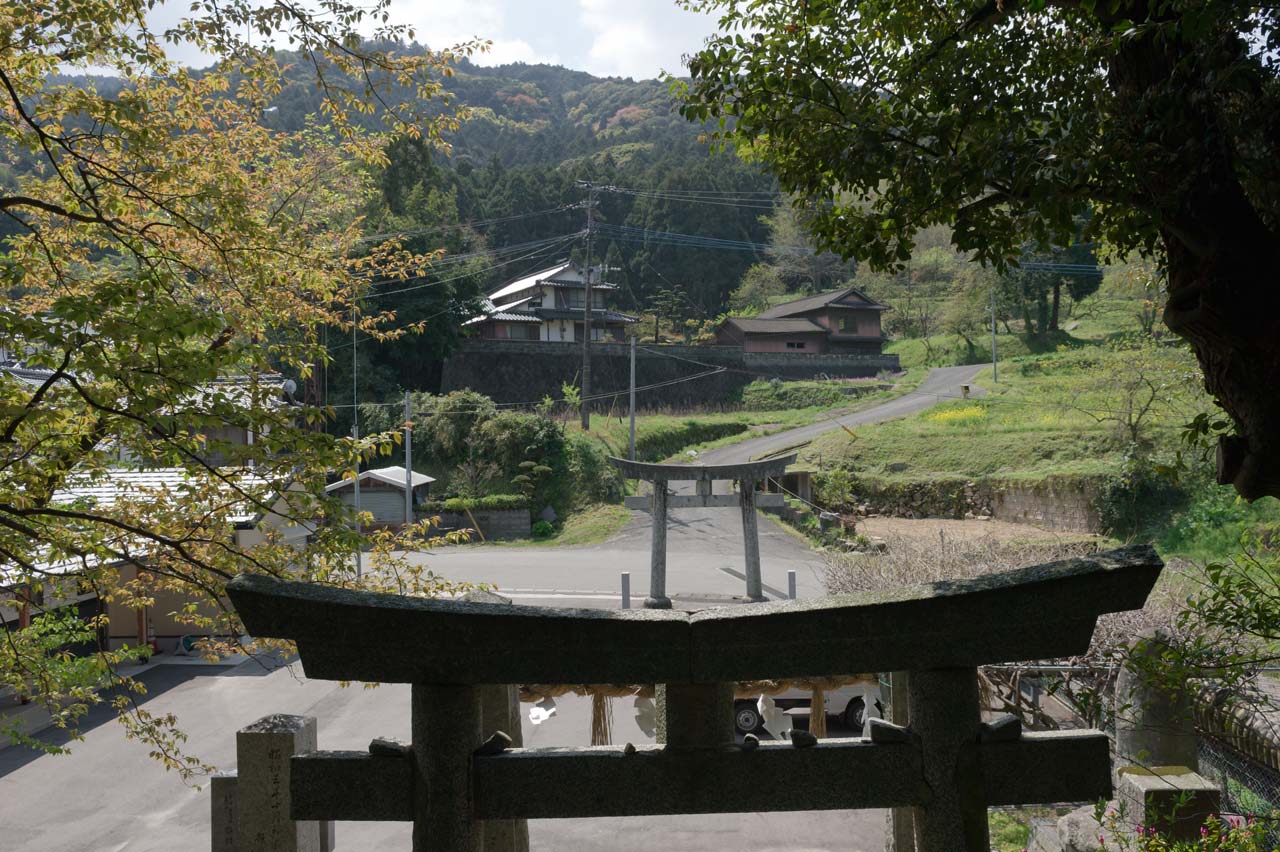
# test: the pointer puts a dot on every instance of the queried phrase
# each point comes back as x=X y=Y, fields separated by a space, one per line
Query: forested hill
x=508 y=199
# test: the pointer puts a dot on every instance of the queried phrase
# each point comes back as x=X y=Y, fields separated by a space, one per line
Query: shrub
x=543 y=529
x=776 y=395
x=493 y=502
x=669 y=438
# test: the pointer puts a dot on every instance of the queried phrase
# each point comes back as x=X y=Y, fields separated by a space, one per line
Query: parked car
x=845 y=703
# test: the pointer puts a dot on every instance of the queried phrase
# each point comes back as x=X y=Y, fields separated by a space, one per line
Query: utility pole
x=586 y=313
x=408 y=462
x=631 y=444
x=994 y=370
x=355 y=433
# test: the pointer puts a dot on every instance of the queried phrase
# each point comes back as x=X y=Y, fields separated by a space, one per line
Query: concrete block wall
x=494 y=523
x=1059 y=504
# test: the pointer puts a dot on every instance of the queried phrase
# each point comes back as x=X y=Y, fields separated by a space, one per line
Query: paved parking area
x=109 y=796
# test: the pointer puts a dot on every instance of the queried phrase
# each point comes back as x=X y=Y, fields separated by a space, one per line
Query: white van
x=846 y=703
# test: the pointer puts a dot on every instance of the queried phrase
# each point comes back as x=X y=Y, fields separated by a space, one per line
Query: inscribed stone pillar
x=1154 y=725
x=751 y=539
x=657 y=598
x=263 y=750
x=223 y=813
x=944 y=713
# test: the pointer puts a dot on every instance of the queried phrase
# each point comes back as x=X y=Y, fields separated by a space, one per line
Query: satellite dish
x=290 y=386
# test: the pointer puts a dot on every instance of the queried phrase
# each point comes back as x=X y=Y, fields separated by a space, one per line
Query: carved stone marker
x=704 y=477
x=947 y=771
x=1157 y=749
x=264 y=751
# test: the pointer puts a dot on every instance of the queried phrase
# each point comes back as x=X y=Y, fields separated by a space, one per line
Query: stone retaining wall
x=525 y=371
x=1062 y=504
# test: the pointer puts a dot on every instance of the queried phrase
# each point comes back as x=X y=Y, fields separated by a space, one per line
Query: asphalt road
x=109 y=796
x=704 y=546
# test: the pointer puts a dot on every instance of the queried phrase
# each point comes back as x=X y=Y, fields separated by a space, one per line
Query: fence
x=1248 y=787
x=947 y=767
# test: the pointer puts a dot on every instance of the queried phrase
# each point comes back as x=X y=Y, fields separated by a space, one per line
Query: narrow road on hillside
x=941 y=383
x=704 y=546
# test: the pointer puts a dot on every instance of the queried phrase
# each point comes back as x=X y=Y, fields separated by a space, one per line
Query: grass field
x=1106 y=409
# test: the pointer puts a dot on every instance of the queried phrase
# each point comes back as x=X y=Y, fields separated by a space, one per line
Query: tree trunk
x=1057 y=299
x=1221 y=253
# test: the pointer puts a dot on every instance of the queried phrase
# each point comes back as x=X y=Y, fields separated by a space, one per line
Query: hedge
x=494 y=502
x=667 y=439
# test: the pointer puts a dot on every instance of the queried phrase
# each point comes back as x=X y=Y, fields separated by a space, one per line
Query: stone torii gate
x=457 y=778
x=704 y=477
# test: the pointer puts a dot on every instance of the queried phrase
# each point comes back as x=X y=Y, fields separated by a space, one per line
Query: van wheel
x=746 y=718
x=854 y=717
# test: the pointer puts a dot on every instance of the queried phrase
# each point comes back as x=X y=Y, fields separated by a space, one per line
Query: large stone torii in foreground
x=704 y=476
x=947 y=765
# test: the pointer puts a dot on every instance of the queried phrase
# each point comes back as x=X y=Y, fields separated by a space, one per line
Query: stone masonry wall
x=520 y=371
x=1063 y=504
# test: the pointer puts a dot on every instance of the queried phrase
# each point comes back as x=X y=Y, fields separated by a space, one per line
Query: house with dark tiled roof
x=840 y=322
x=548 y=305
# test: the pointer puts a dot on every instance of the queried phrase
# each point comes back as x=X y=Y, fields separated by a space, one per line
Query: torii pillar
x=747 y=475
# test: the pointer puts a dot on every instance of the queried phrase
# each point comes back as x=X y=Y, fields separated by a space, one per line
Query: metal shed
x=382 y=492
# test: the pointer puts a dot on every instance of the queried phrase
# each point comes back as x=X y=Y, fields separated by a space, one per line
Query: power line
x=535 y=244
x=432 y=229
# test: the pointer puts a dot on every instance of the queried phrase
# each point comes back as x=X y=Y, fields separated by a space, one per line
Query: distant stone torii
x=747 y=475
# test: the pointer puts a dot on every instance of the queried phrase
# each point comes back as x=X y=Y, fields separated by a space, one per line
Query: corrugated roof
x=104 y=490
x=757 y=325
x=526 y=282
x=393 y=476
x=811 y=303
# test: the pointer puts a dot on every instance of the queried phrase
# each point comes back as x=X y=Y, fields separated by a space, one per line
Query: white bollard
x=626 y=590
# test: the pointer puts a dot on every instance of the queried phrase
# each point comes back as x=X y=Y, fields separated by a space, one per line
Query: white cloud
x=629 y=38
x=504 y=51
x=640 y=38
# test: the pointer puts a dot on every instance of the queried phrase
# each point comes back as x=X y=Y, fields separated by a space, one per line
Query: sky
x=624 y=38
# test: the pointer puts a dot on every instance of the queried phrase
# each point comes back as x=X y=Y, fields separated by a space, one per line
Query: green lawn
x=589 y=525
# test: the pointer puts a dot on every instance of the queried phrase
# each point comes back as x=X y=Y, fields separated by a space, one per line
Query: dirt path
x=928 y=529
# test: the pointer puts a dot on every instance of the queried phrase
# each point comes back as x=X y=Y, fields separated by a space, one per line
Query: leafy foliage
x=1000 y=120
x=167 y=252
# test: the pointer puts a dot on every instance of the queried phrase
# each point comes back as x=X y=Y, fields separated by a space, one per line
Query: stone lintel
x=643 y=503
x=695 y=472
x=604 y=781
x=1040 y=612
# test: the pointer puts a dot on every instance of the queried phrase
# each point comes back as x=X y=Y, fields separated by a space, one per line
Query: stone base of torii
x=748 y=476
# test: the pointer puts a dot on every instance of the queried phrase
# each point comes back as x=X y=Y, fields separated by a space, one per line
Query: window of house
x=795 y=344
x=849 y=324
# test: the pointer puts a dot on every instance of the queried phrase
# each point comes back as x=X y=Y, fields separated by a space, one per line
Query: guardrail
x=455 y=777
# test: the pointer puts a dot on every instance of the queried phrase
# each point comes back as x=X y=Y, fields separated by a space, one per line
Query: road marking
x=535 y=593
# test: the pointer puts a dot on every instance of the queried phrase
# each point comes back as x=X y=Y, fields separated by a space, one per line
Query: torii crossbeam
x=947 y=765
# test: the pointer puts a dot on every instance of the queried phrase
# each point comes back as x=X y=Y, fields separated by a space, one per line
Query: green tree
x=761 y=286
x=1002 y=119
x=170 y=251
